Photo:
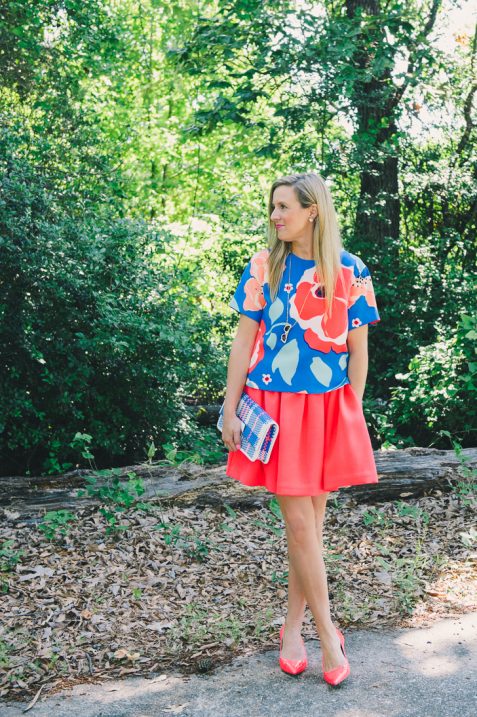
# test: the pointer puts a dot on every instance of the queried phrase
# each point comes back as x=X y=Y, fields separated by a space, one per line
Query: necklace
x=288 y=326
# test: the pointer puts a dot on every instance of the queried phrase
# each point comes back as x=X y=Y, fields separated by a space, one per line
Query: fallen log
x=403 y=473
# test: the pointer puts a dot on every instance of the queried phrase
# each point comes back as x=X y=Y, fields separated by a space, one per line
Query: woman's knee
x=299 y=516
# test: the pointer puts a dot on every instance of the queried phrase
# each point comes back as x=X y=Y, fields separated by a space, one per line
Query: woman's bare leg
x=292 y=642
x=303 y=517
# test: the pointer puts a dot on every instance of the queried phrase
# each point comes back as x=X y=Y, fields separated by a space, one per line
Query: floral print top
x=314 y=358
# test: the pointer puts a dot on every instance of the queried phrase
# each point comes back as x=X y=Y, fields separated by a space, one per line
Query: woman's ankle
x=328 y=635
x=293 y=626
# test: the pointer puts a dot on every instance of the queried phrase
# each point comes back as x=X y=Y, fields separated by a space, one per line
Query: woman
x=301 y=353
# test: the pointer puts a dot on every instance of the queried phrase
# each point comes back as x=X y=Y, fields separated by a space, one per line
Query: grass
x=199 y=625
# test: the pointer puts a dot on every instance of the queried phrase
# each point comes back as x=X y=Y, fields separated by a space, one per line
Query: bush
x=440 y=389
x=100 y=332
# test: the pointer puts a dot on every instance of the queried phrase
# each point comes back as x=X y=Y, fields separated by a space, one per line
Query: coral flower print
x=362 y=286
x=253 y=287
x=362 y=300
x=258 y=350
x=254 y=299
x=259 y=266
x=322 y=332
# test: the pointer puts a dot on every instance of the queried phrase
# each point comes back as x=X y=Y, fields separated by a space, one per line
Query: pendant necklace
x=288 y=326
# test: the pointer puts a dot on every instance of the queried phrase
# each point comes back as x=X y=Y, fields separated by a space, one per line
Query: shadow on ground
x=425 y=672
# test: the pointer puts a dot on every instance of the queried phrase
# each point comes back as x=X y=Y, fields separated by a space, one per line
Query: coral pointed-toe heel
x=292 y=667
x=340 y=673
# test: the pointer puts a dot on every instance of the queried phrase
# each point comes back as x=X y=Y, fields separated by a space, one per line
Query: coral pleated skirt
x=322 y=445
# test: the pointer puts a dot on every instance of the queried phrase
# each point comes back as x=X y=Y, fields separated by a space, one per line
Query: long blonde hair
x=310 y=188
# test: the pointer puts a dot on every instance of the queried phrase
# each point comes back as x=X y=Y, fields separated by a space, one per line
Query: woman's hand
x=231 y=432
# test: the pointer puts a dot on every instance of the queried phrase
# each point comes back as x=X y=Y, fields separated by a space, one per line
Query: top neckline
x=299 y=258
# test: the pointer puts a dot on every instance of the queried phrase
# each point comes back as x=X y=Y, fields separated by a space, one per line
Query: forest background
x=138 y=144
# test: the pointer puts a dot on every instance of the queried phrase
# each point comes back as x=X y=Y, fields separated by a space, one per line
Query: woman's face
x=291 y=220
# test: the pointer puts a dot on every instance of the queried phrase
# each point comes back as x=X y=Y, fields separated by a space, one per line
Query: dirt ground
x=191 y=588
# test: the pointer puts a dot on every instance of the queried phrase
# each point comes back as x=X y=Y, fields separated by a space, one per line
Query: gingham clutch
x=259 y=430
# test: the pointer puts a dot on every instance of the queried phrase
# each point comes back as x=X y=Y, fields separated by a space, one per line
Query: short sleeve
x=248 y=298
x=362 y=307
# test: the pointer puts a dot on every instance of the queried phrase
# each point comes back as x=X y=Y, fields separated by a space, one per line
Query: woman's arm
x=239 y=361
x=358 y=358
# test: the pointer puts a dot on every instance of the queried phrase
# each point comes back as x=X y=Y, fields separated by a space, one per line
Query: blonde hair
x=310 y=188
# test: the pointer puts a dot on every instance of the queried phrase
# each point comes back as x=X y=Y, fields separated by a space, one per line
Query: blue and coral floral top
x=314 y=358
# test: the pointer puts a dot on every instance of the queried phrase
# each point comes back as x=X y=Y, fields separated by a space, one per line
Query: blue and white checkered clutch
x=259 y=430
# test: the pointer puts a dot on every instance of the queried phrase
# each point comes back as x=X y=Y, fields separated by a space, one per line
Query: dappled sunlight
x=436 y=654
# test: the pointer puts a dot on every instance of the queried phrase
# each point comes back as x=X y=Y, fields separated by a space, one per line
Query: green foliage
x=207 y=448
x=117 y=496
x=273 y=520
x=229 y=524
x=374 y=516
x=133 y=182
x=465 y=487
x=4 y=657
x=55 y=523
x=113 y=524
x=263 y=619
x=193 y=547
x=412 y=511
x=407 y=572
x=9 y=558
x=440 y=389
x=115 y=492
x=198 y=625
x=408 y=581
x=90 y=340
x=281 y=577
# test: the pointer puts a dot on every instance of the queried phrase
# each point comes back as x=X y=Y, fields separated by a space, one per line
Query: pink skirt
x=322 y=445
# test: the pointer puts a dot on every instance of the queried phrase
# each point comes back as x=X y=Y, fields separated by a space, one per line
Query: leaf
x=286 y=361
x=276 y=310
x=384 y=577
x=321 y=371
x=122 y=653
x=225 y=603
x=343 y=361
x=180 y=590
x=38 y=571
x=271 y=340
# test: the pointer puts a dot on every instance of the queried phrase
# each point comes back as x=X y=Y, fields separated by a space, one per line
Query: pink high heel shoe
x=340 y=673
x=292 y=667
